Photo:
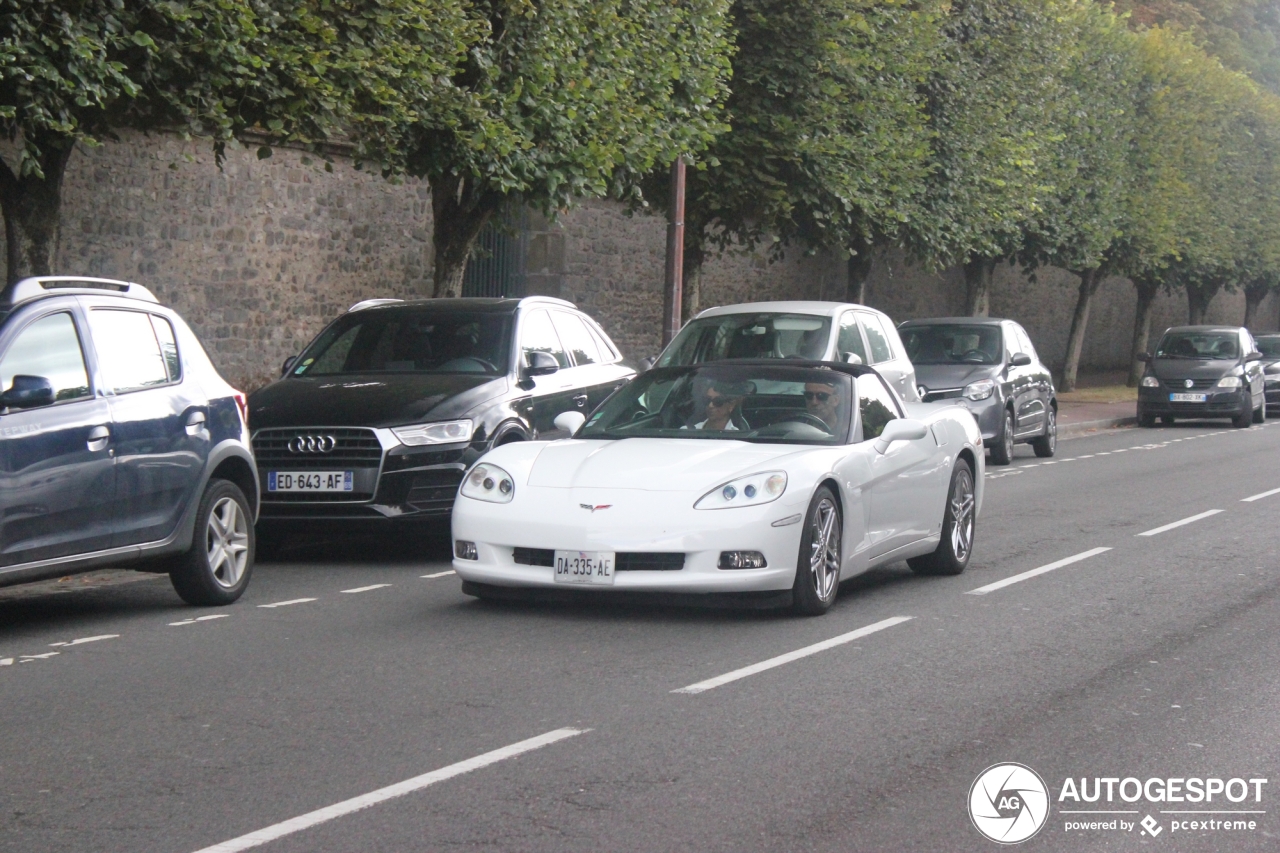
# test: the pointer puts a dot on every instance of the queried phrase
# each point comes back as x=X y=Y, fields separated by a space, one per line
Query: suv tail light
x=242 y=403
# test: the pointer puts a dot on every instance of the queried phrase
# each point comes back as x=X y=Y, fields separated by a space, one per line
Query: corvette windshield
x=740 y=402
x=408 y=341
x=767 y=335
x=953 y=343
x=1199 y=345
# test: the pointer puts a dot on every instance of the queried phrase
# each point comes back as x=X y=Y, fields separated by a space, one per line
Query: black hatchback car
x=1203 y=372
x=119 y=442
x=380 y=416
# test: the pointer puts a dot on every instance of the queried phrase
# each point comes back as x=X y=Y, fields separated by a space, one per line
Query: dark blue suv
x=120 y=445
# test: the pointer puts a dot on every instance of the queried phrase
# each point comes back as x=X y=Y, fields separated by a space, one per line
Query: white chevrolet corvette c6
x=758 y=479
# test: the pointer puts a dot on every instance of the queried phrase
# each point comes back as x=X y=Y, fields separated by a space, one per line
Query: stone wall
x=260 y=254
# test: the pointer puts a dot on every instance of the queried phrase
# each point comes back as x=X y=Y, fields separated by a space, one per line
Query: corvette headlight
x=980 y=390
x=489 y=483
x=754 y=490
x=1150 y=382
x=1229 y=382
x=444 y=432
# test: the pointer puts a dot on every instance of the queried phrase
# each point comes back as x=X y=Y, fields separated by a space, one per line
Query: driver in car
x=723 y=400
x=822 y=400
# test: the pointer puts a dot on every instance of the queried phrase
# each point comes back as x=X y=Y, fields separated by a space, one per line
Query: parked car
x=1203 y=372
x=120 y=445
x=821 y=331
x=760 y=479
x=990 y=367
x=1269 y=346
x=381 y=414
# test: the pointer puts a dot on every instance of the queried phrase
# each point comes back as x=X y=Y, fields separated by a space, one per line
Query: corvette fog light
x=742 y=560
x=465 y=550
x=1150 y=382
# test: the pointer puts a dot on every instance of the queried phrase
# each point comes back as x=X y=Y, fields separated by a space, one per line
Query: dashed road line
x=1066 y=561
x=1259 y=497
x=1179 y=523
x=83 y=640
x=367 y=588
x=287 y=603
x=440 y=574
x=417 y=783
x=710 y=683
x=200 y=619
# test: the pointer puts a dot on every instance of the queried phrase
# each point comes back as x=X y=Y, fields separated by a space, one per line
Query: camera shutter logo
x=312 y=444
x=1008 y=803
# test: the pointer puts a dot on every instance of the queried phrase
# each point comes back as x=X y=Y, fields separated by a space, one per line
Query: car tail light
x=242 y=403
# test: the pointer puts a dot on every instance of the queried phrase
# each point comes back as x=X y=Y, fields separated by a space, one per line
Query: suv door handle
x=195 y=423
x=98 y=438
x=580 y=400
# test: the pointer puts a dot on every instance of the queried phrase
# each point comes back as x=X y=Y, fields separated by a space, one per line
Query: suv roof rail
x=371 y=303
x=36 y=286
x=549 y=299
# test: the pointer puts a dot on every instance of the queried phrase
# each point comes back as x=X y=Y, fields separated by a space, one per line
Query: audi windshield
x=410 y=341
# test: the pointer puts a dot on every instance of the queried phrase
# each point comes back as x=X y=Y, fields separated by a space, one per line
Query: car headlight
x=443 y=432
x=1150 y=382
x=754 y=490
x=489 y=483
x=1229 y=382
x=980 y=390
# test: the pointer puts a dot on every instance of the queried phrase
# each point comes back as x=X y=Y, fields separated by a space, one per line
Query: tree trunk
x=1089 y=281
x=31 y=206
x=977 y=280
x=859 y=270
x=1254 y=293
x=460 y=211
x=1147 y=291
x=1199 y=295
x=691 y=292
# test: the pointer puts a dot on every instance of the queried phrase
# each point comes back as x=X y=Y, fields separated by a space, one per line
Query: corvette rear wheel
x=818 y=564
x=958 y=524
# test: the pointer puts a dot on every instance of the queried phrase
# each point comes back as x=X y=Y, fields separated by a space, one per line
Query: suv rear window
x=410 y=341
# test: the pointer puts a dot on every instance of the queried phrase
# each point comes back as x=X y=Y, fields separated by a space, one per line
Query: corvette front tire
x=818 y=563
x=958 y=525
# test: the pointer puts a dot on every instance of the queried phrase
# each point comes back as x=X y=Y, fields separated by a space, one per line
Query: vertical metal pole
x=673 y=296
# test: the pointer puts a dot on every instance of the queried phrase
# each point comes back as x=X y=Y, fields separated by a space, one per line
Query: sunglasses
x=820 y=396
x=719 y=401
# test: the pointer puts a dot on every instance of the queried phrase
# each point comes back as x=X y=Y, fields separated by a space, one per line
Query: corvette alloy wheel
x=961 y=501
x=818 y=572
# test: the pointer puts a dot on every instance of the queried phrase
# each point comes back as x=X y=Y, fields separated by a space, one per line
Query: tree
x=563 y=99
x=76 y=71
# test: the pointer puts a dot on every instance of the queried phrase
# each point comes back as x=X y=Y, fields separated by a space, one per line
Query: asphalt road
x=349 y=668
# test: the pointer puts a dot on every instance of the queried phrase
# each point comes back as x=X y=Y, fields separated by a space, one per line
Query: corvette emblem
x=593 y=508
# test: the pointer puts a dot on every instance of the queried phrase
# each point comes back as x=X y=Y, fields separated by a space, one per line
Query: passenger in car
x=723 y=401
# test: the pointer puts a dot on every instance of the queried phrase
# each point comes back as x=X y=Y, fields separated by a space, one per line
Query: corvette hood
x=651 y=464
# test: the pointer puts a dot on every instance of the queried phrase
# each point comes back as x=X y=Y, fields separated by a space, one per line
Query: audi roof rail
x=371 y=303
x=36 y=286
x=551 y=300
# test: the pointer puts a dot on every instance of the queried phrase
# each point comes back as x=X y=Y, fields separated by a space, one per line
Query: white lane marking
x=1260 y=497
x=992 y=587
x=367 y=588
x=710 y=683
x=440 y=574
x=1086 y=456
x=200 y=619
x=1121 y=450
x=408 y=786
x=1165 y=527
x=287 y=603
x=29 y=658
x=87 y=640
x=6 y=661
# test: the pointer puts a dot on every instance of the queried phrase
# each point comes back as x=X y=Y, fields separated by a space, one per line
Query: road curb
x=1077 y=430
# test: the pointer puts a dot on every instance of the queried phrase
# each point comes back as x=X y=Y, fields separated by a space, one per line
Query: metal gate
x=497 y=263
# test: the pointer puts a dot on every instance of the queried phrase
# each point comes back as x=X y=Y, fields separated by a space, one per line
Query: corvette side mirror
x=570 y=422
x=901 y=429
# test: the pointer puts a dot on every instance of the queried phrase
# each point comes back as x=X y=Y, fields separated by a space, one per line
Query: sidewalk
x=1100 y=401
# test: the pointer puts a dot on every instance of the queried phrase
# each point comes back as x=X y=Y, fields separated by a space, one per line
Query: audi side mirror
x=1144 y=356
x=1020 y=359
x=288 y=363
x=28 y=392
x=540 y=364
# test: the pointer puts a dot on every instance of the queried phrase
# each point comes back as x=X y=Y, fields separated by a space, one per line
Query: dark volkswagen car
x=1269 y=346
x=1203 y=372
x=381 y=414
x=990 y=367
x=120 y=445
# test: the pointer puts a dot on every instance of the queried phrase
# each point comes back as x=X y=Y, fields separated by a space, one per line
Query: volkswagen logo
x=1190 y=383
x=312 y=444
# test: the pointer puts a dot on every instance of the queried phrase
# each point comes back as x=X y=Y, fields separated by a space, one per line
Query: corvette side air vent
x=534 y=557
x=646 y=561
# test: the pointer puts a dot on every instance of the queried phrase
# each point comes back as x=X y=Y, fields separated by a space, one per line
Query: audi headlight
x=1150 y=382
x=1229 y=382
x=489 y=483
x=980 y=390
x=745 y=491
x=444 y=432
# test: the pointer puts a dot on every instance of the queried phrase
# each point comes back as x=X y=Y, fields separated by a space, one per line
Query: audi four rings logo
x=312 y=444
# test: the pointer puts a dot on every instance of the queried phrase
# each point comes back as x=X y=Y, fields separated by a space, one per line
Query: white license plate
x=1188 y=398
x=309 y=481
x=594 y=567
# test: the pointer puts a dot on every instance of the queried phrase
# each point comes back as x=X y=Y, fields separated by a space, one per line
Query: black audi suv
x=380 y=416
x=1203 y=372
